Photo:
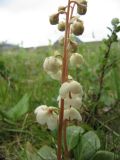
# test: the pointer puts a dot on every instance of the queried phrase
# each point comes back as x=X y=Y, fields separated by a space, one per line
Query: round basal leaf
x=73 y=135
x=87 y=147
x=47 y=153
x=104 y=155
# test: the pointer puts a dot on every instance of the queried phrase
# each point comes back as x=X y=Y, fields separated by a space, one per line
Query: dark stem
x=102 y=75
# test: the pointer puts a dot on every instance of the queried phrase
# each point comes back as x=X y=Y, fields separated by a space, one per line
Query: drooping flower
x=52 y=64
x=72 y=114
x=76 y=59
x=72 y=87
x=46 y=115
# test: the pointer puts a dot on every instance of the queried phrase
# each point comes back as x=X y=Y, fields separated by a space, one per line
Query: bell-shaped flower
x=52 y=64
x=72 y=87
x=64 y=90
x=72 y=114
x=46 y=115
x=75 y=102
x=76 y=59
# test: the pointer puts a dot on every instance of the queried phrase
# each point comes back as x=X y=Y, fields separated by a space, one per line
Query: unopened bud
x=52 y=64
x=77 y=27
x=61 y=26
x=82 y=8
x=76 y=59
x=54 y=19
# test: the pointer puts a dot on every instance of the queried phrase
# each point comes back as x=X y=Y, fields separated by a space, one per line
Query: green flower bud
x=82 y=9
x=77 y=27
x=115 y=21
x=54 y=19
x=61 y=26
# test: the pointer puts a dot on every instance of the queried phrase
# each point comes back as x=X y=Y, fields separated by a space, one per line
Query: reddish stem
x=64 y=78
x=65 y=140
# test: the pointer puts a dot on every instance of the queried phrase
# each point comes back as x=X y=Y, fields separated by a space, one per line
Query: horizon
x=22 y=22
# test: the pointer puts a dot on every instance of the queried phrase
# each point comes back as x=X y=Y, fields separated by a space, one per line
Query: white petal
x=52 y=121
x=76 y=59
x=72 y=114
x=52 y=64
x=41 y=117
x=40 y=108
x=64 y=90
x=75 y=87
x=75 y=115
x=56 y=76
x=76 y=102
x=67 y=114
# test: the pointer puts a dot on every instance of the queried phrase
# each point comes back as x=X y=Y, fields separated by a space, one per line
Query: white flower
x=67 y=102
x=76 y=59
x=72 y=87
x=72 y=114
x=46 y=115
x=52 y=64
x=56 y=76
x=64 y=90
x=76 y=102
x=75 y=87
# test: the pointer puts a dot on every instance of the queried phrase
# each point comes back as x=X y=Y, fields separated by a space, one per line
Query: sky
x=26 y=22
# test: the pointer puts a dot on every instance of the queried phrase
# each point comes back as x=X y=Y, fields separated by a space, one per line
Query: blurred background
x=26 y=22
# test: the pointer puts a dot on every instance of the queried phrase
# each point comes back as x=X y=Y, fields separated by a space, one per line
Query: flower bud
x=82 y=8
x=76 y=59
x=77 y=27
x=115 y=21
x=54 y=19
x=61 y=26
x=52 y=64
x=72 y=114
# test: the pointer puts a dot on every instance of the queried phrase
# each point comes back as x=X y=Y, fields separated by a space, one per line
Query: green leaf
x=73 y=135
x=87 y=147
x=31 y=152
x=19 y=109
x=47 y=153
x=104 y=155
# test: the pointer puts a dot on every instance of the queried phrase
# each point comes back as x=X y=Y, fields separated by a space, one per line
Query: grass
x=26 y=75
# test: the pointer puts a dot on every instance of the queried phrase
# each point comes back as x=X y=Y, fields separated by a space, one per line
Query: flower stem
x=64 y=78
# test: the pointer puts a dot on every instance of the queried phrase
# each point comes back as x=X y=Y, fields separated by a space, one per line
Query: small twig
x=107 y=127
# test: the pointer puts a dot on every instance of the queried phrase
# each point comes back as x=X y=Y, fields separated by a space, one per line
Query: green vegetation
x=24 y=85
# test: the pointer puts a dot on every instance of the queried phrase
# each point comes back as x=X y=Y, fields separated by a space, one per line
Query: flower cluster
x=71 y=91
